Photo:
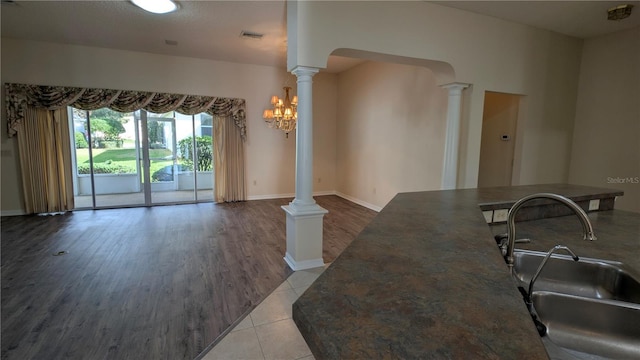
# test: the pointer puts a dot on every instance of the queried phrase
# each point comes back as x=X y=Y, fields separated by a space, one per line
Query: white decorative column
x=304 y=216
x=450 y=169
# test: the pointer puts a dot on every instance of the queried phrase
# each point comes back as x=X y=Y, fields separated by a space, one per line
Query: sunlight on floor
x=269 y=333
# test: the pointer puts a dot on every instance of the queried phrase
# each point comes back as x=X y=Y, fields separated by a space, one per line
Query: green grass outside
x=124 y=157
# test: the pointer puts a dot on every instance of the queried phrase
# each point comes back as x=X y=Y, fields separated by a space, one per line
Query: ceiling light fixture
x=619 y=12
x=156 y=6
x=284 y=114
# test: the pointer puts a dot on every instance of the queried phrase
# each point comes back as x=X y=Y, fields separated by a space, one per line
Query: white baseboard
x=359 y=202
x=12 y=213
x=270 y=196
x=319 y=193
x=284 y=196
x=323 y=193
x=304 y=264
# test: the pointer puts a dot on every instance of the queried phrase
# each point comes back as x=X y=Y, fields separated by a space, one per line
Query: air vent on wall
x=251 y=35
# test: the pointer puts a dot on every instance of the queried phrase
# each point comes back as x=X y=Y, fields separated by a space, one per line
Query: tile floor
x=268 y=332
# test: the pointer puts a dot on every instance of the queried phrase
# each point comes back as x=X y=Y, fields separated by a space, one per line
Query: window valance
x=19 y=96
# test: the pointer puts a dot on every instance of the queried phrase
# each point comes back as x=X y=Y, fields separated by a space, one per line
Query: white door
x=499 y=122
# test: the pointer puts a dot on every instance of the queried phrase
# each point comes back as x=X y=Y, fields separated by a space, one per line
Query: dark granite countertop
x=501 y=197
x=618 y=235
x=425 y=279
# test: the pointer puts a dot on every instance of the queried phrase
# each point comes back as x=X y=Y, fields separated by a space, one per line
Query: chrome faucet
x=543 y=263
x=507 y=247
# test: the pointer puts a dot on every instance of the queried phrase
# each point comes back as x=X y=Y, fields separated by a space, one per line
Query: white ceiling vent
x=251 y=35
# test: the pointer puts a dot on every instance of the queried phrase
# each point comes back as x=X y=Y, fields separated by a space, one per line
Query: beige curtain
x=228 y=158
x=45 y=160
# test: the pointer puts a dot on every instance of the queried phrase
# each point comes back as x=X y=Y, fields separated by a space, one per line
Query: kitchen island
x=425 y=278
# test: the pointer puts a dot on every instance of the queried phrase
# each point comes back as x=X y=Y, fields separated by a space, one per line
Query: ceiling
x=582 y=19
x=211 y=29
x=202 y=29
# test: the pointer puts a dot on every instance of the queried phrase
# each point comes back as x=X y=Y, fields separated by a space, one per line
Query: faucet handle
x=502 y=240
x=504 y=237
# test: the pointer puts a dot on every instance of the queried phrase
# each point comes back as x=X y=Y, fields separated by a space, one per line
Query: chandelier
x=284 y=114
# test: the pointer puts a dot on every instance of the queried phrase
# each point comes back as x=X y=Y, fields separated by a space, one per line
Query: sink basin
x=591 y=278
x=605 y=328
x=590 y=308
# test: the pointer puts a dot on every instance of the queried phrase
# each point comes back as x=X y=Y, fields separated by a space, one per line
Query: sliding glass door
x=106 y=159
x=194 y=155
x=141 y=158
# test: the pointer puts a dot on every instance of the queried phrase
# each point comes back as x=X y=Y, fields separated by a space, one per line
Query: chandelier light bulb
x=284 y=114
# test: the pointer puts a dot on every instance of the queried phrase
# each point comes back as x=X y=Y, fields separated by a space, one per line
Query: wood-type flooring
x=146 y=283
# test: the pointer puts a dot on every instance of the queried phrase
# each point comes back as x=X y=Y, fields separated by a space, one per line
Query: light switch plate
x=500 y=215
x=594 y=204
x=488 y=216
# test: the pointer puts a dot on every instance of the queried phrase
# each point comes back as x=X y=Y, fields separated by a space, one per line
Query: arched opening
x=391 y=122
x=443 y=71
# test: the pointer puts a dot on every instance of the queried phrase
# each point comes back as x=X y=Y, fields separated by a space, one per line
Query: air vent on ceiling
x=9 y=2
x=251 y=35
x=171 y=42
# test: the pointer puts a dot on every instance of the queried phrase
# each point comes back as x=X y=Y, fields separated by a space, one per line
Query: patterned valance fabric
x=19 y=96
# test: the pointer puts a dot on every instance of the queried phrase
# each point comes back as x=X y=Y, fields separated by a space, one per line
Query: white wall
x=270 y=157
x=489 y=53
x=391 y=129
x=325 y=102
x=606 y=140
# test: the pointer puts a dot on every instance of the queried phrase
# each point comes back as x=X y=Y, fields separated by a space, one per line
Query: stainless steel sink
x=591 y=278
x=588 y=308
x=606 y=328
